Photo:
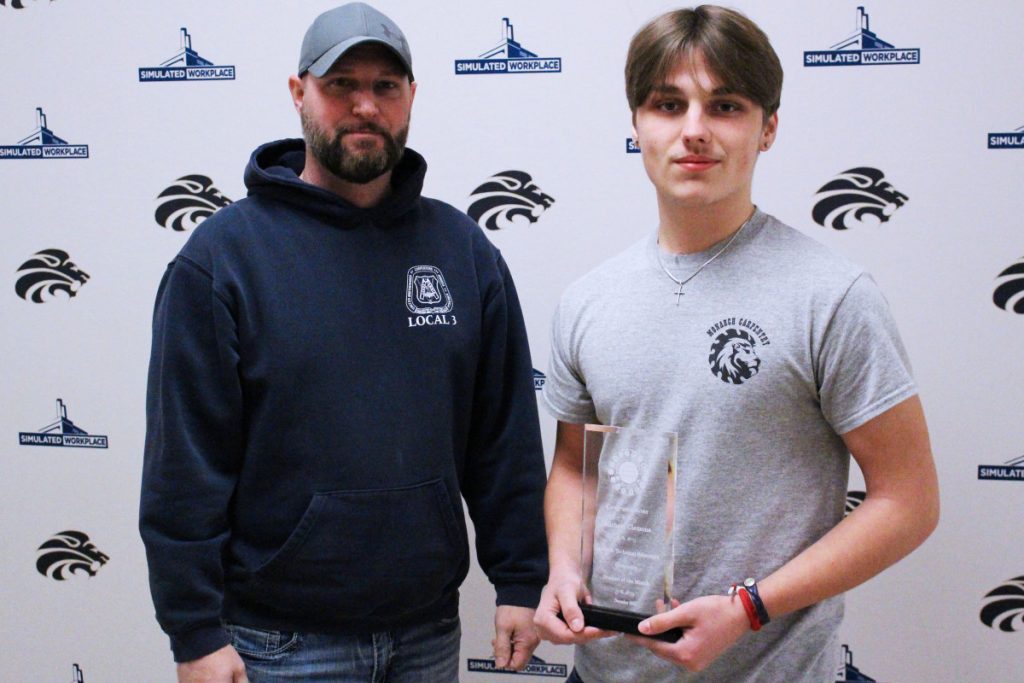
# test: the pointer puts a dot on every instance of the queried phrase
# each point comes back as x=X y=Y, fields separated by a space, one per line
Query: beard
x=358 y=166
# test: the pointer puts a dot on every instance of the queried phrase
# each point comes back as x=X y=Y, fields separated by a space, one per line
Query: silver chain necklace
x=679 y=292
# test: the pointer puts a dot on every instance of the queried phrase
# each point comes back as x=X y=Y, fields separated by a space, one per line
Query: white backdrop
x=938 y=258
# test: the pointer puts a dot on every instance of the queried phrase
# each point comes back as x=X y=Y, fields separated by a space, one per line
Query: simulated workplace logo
x=62 y=433
x=863 y=48
x=186 y=65
x=1011 y=140
x=506 y=196
x=1011 y=470
x=857 y=197
x=1003 y=606
x=188 y=202
x=539 y=379
x=536 y=667
x=67 y=554
x=508 y=57
x=42 y=143
x=848 y=672
x=632 y=146
x=45 y=274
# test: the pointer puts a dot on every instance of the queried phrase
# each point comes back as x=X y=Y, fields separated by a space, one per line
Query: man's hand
x=560 y=598
x=222 y=666
x=712 y=625
x=515 y=637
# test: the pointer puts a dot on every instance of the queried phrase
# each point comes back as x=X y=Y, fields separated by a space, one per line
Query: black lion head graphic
x=48 y=272
x=188 y=202
x=854 y=194
x=505 y=196
x=69 y=553
x=1004 y=606
x=1009 y=294
x=732 y=358
x=854 y=499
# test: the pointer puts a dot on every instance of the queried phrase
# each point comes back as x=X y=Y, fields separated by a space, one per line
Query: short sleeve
x=565 y=393
x=862 y=367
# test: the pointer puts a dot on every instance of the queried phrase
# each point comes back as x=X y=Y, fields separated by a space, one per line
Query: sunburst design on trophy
x=626 y=472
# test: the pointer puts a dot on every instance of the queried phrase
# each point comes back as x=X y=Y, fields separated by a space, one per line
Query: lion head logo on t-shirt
x=733 y=358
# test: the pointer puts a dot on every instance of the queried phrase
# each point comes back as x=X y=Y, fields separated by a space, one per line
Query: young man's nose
x=695 y=126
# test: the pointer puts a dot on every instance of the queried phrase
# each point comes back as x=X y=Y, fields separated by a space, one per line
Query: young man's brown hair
x=735 y=50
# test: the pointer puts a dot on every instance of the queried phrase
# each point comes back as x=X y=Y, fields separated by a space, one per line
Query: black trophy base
x=624 y=622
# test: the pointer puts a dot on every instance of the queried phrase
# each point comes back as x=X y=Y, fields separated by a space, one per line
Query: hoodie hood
x=273 y=172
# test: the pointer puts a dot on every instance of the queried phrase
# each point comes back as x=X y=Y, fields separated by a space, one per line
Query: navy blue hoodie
x=326 y=384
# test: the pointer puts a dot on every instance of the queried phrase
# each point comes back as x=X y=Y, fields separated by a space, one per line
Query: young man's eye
x=668 y=106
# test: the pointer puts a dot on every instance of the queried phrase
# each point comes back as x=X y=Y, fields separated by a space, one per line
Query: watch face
x=748 y=583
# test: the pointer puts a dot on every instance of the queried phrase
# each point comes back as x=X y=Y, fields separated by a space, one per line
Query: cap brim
x=322 y=65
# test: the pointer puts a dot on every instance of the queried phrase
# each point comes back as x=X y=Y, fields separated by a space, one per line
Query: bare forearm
x=562 y=517
x=900 y=511
x=874 y=537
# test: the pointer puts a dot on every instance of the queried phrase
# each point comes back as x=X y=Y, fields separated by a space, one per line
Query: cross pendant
x=679 y=294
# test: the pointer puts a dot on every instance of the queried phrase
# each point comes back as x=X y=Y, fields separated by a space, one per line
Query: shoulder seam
x=213 y=283
x=194 y=264
x=828 y=326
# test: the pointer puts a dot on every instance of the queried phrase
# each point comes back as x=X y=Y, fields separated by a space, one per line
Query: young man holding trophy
x=768 y=359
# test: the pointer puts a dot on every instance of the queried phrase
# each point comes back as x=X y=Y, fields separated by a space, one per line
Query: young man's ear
x=771 y=129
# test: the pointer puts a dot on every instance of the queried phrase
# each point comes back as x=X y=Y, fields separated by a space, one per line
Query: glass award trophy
x=627 y=541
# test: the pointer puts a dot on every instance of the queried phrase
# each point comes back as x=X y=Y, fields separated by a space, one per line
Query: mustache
x=367 y=127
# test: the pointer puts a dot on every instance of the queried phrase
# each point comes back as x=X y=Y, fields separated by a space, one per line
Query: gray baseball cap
x=336 y=31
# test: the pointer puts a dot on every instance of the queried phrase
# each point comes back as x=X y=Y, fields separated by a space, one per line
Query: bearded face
x=356 y=161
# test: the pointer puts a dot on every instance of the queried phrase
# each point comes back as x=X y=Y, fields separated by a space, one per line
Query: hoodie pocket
x=370 y=553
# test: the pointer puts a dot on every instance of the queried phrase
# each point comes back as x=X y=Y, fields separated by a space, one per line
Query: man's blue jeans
x=418 y=654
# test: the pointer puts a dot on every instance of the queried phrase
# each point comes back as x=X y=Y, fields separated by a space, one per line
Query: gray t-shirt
x=776 y=349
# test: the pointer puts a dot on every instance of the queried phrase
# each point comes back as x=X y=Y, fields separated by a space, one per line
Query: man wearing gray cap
x=337 y=363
